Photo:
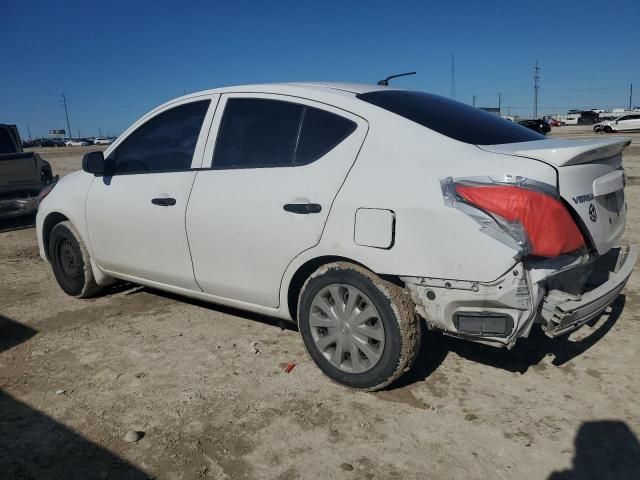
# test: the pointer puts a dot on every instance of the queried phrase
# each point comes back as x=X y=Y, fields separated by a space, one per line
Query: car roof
x=310 y=88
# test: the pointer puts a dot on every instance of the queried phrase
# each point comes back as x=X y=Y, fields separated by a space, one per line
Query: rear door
x=275 y=165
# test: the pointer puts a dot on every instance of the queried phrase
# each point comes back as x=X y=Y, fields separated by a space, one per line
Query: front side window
x=448 y=117
x=164 y=143
x=259 y=133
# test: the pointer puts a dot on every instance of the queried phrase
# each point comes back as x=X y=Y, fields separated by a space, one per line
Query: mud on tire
x=395 y=311
x=70 y=261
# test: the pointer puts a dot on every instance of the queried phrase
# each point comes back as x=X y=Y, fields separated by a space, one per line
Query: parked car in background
x=78 y=142
x=552 y=122
x=588 y=117
x=350 y=210
x=571 y=119
x=626 y=123
x=102 y=141
x=44 y=142
x=539 y=126
x=23 y=175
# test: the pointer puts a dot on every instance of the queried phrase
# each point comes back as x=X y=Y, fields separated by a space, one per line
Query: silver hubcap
x=347 y=328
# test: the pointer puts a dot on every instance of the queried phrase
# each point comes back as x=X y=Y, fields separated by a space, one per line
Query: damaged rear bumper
x=564 y=312
x=562 y=294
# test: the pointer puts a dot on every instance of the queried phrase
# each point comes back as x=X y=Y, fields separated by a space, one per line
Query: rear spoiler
x=561 y=152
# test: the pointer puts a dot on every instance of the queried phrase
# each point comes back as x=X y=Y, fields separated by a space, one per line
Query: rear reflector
x=549 y=227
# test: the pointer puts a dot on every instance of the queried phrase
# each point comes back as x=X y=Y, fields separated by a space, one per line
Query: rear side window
x=164 y=143
x=448 y=117
x=6 y=144
x=259 y=133
x=321 y=132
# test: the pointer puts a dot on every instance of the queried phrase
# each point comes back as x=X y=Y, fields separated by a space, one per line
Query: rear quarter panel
x=399 y=169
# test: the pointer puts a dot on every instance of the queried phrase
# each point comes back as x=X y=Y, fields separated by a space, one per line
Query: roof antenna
x=385 y=82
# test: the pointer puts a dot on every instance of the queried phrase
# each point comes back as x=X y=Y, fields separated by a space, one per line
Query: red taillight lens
x=550 y=229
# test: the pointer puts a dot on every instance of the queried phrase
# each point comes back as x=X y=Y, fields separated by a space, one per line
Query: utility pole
x=100 y=132
x=499 y=104
x=536 y=87
x=453 y=76
x=78 y=134
x=66 y=112
x=474 y=100
x=29 y=131
x=630 y=96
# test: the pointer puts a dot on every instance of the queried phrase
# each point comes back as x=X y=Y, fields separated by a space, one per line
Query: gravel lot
x=77 y=375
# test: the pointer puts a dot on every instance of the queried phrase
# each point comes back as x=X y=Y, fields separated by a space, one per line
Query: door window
x=164 y=143
x=257 y=133
x=6 y=144
x=321 y=132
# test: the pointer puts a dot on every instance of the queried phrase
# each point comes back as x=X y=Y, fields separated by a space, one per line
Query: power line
x=536 y=87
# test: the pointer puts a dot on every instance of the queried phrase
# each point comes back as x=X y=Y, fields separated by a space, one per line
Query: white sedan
x=626 y=123
x=102 y=141
x=76 y=143
x=359 y=212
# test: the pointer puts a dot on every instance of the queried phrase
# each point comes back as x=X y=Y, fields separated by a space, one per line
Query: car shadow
x=528 y=351
x=33 y=445
x=604 y=450
x=13 y=333
x=435 y=346
x=236 y=312
x=18 y=223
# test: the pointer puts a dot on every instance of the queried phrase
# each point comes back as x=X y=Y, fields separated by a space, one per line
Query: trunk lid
x=590 y=181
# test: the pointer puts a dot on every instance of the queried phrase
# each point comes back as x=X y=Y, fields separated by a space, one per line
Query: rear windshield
x=448 y=117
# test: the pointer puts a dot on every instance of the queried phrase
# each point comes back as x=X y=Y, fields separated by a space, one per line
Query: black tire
x=402 y=328
x=607 y=129
x=70 y=261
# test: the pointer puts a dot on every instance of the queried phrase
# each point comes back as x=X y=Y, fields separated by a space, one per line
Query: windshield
x=448 y=117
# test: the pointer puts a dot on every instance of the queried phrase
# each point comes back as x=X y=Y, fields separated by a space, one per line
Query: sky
x=117 y=60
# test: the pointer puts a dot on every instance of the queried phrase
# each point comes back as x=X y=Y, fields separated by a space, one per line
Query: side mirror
x=93 y=162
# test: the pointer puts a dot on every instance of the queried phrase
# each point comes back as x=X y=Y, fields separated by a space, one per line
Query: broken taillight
x=550 y=230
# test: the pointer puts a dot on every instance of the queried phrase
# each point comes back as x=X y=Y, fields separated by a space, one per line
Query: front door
x=277 y=165
x=136 y=215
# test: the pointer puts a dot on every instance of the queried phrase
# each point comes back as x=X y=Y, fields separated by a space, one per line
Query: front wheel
x=360 y=330
x=70 y=261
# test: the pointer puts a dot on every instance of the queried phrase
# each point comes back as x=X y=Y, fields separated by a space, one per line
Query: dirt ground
x=77 y=375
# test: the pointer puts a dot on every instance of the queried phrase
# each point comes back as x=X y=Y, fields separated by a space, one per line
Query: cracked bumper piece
x=564 y=312
x=18 y=206
x=494 y=312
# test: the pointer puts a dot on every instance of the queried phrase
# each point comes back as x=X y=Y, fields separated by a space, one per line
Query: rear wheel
x=360 y=330
x=70 y=261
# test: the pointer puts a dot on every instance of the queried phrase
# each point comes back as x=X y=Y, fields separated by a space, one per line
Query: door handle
x=302 y=208
x=164 y=201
